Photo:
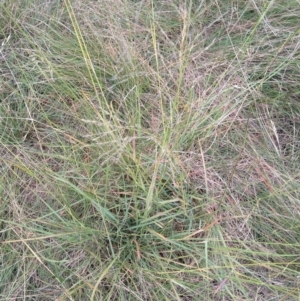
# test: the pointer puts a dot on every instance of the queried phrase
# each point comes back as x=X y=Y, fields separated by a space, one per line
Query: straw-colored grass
x=149 y=150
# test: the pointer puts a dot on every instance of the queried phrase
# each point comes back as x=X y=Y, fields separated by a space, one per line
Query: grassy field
x=150 y=150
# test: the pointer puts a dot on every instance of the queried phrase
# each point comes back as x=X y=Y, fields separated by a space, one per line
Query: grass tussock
x=149 y=150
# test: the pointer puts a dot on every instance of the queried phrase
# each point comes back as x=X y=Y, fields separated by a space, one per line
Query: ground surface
x=149 y=150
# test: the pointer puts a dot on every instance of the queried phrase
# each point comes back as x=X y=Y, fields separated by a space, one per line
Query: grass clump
x=149 y=150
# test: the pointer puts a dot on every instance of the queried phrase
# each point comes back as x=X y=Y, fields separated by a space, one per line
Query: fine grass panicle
x=149 y=150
